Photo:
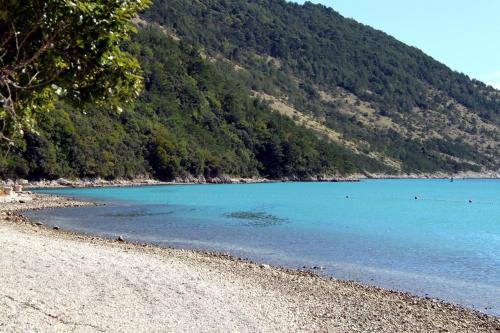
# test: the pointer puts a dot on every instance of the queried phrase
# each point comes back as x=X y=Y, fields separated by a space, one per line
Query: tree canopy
x=64 y=50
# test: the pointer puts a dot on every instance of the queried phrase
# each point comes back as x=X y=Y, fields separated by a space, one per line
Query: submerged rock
x=318 y=268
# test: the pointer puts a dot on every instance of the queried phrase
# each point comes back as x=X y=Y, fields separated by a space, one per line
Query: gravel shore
x=52 y=280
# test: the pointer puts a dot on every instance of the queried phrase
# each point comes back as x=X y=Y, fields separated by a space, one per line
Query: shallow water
x=438 y=245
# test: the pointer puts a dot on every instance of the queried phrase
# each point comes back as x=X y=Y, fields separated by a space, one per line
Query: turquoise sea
x=431 y=238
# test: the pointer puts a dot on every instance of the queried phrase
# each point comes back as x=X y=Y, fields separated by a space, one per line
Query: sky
x=463 y=34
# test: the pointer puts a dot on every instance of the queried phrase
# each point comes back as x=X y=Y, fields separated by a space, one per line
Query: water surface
x=419 y=236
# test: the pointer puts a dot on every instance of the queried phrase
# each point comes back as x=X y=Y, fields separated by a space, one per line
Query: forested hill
x=273 y=89
x=361 y=87
x=191 y=120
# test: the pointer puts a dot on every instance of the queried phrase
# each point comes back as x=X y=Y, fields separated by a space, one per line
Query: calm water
x=374 y=232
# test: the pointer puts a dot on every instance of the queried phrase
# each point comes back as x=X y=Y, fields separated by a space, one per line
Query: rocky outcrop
x=226 y=179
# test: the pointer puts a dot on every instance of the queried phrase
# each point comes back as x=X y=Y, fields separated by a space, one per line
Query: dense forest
x=190 y=120
x=316 y=42
x=383 y=95
x=216 y=74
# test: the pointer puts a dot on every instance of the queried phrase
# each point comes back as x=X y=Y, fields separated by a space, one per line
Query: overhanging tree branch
x=59 y=49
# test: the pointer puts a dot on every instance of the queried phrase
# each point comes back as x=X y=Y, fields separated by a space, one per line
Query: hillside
x=374 y=94
x=191 y=119
x=274 y=89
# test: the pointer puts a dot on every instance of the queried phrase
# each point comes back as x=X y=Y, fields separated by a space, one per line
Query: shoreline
x=190 y=180
x=368 y=300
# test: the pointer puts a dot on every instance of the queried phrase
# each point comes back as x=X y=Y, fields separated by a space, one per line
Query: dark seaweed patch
x=135 y=213
x=258 y=219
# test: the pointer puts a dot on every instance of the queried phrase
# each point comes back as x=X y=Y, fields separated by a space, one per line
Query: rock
x=179 y=180
x=55 y=227
x=318 y=268
x=7 y=190
x=189 y=179
x=63 y=182
x=226 y=179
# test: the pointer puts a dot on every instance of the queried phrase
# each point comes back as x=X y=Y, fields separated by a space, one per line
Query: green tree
x=64 y=50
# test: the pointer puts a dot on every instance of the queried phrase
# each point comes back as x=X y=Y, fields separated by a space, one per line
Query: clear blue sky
x=463 y=34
